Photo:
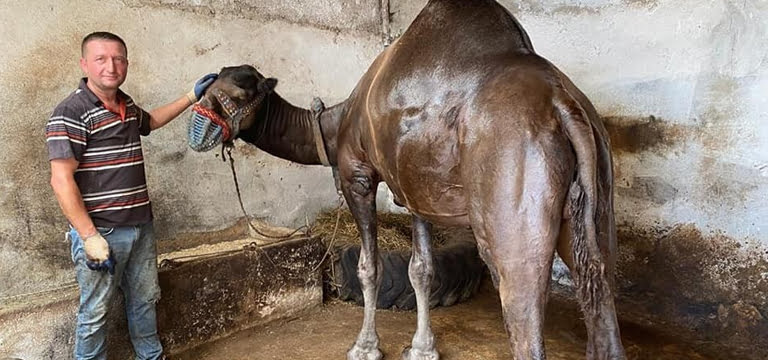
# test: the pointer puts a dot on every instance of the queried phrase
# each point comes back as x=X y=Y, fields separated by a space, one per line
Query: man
x=97 y=173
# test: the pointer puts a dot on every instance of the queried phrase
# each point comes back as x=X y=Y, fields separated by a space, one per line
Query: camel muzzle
x=206 y=129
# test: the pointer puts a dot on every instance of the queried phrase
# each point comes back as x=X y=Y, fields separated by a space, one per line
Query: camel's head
x=229 y=105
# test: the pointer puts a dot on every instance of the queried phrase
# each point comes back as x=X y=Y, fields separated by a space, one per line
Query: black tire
x=458 y=273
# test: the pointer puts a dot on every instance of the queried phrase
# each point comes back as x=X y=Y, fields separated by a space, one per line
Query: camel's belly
x=447 y=206
x=427 y=181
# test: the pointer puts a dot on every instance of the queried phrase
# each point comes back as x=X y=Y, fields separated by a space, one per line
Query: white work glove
x=99 y=258
x=96 y=248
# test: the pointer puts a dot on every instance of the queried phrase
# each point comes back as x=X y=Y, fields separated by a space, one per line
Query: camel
x=467 y=125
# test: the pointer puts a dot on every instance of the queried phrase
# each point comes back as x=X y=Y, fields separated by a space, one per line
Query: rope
x=248 y=218
x=242 y=207
x=317 y=109
x=333 y=237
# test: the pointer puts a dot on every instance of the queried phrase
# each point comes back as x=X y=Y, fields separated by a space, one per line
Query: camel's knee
x=421 y=269
x=361 y=185
x=522 y=297
x=367 y=270
x=523 y=291
x=359 y=181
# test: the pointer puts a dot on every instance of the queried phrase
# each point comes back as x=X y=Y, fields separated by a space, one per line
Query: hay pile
x=394 y=230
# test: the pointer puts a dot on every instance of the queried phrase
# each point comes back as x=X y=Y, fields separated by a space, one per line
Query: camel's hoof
x=358 y=353
x=410 y=353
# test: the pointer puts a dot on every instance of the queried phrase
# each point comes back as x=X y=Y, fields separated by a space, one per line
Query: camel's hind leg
x=516 y=215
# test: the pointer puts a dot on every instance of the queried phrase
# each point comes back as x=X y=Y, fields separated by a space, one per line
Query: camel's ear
x=267 y=85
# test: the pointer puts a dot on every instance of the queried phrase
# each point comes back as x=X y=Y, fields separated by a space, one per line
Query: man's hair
x=101 y=35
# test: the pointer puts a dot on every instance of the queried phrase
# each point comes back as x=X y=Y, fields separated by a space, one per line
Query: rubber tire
x=457 y=276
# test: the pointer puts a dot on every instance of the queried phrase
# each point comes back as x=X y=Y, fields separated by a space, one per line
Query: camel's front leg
x=421 y=271
x=358 y=183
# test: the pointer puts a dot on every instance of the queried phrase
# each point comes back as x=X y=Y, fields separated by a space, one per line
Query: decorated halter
x=207 y=129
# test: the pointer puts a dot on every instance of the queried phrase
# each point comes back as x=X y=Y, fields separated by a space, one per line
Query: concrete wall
x=681 y=85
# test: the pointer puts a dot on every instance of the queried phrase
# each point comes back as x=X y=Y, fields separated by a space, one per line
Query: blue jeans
x=136 y=274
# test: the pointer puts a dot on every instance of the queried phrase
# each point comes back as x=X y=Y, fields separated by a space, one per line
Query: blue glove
x=107 y=265
x=203 y=84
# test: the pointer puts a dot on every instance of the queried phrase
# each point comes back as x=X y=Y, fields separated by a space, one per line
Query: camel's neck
x=285 y=131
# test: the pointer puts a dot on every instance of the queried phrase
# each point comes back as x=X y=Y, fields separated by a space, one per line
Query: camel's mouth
x=206 y=129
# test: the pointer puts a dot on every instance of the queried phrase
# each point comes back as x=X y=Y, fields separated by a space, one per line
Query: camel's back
x=455 y=40
x=450 y=50
x=460 y=30
x=408 y=106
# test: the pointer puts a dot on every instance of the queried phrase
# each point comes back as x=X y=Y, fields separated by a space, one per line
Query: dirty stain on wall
x=710 y=285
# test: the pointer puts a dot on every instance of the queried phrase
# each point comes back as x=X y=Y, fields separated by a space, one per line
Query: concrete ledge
x=211 y=298
x=204 y=297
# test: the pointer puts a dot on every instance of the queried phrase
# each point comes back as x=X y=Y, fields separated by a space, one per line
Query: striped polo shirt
x=107 y=145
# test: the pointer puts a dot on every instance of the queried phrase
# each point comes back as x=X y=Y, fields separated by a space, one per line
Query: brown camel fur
x=467 y=125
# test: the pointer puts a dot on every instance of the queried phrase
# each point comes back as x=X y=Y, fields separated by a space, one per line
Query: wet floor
x=468 y=331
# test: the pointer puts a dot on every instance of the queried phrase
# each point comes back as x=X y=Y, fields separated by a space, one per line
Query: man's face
x=105 y=63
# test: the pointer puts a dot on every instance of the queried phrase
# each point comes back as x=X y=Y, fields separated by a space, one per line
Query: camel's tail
x=590 y=267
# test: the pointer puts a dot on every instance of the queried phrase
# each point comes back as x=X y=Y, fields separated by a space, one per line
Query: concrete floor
x=468 y=331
